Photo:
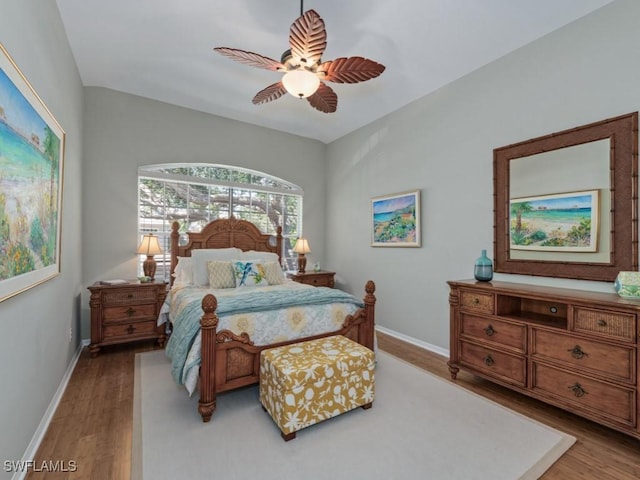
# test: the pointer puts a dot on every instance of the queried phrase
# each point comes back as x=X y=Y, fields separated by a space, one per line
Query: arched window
x=196 y=193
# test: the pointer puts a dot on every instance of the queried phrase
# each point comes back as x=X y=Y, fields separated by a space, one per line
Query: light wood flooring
x=93 y=423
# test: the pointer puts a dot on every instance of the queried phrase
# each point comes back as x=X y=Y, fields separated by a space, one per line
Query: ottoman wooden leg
x=367 y=406
x=288 y=436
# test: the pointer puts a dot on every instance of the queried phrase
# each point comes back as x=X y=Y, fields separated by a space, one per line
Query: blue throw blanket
x=187 y=321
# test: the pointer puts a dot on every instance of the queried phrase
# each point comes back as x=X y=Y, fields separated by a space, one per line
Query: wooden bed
x=230 y=361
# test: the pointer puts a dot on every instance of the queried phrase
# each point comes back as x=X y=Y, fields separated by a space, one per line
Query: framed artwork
x=562 y=222
x=31 y=165
x=395 y=220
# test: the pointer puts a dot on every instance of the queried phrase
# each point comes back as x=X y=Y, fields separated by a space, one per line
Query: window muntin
x=196 y=194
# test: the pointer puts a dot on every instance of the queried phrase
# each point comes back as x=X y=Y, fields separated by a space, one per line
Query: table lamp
x=149 y=247
x=301 y=247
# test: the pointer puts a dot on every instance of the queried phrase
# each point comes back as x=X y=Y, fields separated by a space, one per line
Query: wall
x=35 y=349
x=443 y=144
x=125 y=131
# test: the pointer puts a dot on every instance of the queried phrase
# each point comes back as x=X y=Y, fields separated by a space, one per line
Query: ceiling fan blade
x=250 y=58
x=325 y=99
x=272 y=92
x=349 y=70
x=308 y=37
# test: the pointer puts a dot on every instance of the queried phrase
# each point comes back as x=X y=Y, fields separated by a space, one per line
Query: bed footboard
x=230 y=361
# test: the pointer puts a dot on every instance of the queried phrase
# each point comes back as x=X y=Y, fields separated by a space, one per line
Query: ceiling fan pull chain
x=301 y=7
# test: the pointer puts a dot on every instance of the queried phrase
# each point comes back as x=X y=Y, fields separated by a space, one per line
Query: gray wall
x=123 y=132
x=443 y=144
x=35 y=350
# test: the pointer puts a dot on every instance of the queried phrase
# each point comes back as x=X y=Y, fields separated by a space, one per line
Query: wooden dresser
x=574 y=349
x=317 y=279
x=125 y=313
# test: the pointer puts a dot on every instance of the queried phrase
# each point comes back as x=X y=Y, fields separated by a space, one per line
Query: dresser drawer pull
x=577 y=353
x=602 y=323
x=578 y=391
x=130 y=311
x=489 y=331
x=130 y=295
x=131 y=329
x=476 y=301
x=488 y=361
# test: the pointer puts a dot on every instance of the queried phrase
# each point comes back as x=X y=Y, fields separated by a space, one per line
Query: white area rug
x=420 y=426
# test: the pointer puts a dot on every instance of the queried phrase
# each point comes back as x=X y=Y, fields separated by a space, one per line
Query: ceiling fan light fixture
x=301 y=83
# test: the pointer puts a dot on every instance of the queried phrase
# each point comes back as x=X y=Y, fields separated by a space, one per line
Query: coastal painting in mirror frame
x=562 y=222
x=599 y=156
x=395 y=220
x=31 y=166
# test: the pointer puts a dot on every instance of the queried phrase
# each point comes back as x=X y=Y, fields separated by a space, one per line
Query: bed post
x=367 y=329
x=175 y=239
x=208 y=325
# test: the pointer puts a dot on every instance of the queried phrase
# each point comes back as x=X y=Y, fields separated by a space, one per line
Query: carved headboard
x=224 y=233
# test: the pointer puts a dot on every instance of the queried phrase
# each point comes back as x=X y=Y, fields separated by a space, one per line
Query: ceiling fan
x=304 y=71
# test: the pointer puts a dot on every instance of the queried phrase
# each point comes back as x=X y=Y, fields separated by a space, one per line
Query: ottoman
x=308 y=382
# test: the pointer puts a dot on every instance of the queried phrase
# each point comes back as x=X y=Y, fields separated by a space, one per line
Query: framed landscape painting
x=563 y=222
x=31 y=161
x=395 y=220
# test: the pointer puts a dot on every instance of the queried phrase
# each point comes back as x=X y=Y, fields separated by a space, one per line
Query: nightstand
x=125 y=313
x=317 y=279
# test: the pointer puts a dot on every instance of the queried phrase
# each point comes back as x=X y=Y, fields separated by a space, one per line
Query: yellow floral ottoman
x=308 y=382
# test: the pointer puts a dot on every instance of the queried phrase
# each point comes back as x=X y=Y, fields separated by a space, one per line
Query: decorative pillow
x=202 y=256
x=273 y=273
x=221 y=274
x=264 y=258
x=249 y=274
x=183 y=273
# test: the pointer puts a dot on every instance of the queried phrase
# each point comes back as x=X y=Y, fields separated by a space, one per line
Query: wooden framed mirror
x=600 y=159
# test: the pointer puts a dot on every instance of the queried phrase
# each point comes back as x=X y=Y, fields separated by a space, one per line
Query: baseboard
x=40 y=432
x=414 y=341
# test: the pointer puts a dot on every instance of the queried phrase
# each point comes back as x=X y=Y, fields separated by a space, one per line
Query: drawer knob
x=476 y=301
x=130 y=295
x=602 y=323
x=489 y=331
x=130 y=311
x=578 y=391
x=488 y=361
x=131 y=329
x=576 y=352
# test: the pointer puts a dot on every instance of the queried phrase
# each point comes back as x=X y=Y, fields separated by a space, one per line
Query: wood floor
x=92 y=426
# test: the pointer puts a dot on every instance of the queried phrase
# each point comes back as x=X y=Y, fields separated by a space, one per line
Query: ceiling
x=163 y=50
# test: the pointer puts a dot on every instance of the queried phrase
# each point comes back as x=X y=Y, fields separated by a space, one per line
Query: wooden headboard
x=224 y=233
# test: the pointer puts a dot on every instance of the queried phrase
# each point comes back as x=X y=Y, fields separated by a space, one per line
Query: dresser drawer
x=586 y=395
x=510 y=368
x=476 y=301
x=129 y=312
x=129 y=329
x=604 y=323
x=129 y=296
x=495 y=331
x=612 y=361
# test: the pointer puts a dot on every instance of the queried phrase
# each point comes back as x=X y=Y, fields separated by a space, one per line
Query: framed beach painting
x=31 y=162
x=395 y=220
x=562 y=222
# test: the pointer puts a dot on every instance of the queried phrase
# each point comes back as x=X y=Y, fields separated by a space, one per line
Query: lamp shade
x=302 y=246
x=149 y=245
x=301 y=83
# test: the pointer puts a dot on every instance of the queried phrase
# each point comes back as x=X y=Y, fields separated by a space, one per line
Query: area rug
x=420 y=426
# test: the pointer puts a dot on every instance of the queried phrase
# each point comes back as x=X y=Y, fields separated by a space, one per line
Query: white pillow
x=202 y=256
x=183 y=273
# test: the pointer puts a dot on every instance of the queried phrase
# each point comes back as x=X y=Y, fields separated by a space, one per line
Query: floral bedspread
x=268 y=314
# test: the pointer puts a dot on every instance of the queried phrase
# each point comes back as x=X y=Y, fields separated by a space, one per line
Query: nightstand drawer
x=129 y=312
x=129 y=296
x=129 y=329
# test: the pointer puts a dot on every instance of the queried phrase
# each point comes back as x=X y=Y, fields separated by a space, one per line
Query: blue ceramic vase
x=483 y=271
